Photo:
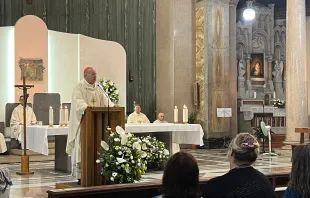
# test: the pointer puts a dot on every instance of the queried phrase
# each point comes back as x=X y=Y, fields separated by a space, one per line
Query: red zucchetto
x=87 y=68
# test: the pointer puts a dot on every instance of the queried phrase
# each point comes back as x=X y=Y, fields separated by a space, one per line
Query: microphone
x=107 y=95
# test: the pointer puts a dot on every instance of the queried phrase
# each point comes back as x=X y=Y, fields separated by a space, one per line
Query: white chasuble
x=137 y=118
x=3 y=147
x=84 y=95
x=17 y=119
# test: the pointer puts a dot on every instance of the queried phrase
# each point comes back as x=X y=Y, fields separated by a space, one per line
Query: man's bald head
x=161 y=116
x=90 y=75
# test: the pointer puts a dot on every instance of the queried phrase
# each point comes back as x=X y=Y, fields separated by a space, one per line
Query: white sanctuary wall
x=7 y=68
x=63 y=63
x=109 y=60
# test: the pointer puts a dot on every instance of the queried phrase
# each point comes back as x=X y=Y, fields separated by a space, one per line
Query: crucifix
x=24 y=157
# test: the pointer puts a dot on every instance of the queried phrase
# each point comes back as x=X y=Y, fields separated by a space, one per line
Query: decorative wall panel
x=130 y=23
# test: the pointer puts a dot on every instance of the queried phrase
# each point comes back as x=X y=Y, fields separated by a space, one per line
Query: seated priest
x=3 y=147
x=160 y=118
x=87 y=93
x=17 y=118
x=137 y=116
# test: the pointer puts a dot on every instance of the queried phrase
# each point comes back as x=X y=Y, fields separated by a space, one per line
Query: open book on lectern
x=223 y=112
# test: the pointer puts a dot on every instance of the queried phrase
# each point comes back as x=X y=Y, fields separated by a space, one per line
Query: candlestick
x=255 y=94
x=61 y=118
x=176 y=114
x=185 y=114
x=51 y=117
x=66 y=116
x=274 y=94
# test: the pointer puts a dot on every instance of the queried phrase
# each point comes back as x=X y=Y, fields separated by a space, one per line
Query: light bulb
x=249 y=14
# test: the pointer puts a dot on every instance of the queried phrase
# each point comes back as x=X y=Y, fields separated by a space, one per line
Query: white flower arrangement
x=110 y=88
x=121 y=158
x=279 y=103
x=156 y=153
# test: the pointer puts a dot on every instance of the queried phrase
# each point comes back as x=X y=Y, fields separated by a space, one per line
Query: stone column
x=233 y=68
x=284 y=77
x=270 y=82
x=296 y=94
x=248 y=67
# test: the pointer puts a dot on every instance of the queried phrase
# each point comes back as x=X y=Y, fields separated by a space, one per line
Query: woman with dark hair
x=181 y=177
x=242 y=181
x=299 y=185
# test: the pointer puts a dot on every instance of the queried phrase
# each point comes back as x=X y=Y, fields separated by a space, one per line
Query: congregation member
x=137 y=116
x=160 y=118
x=85 y=94
x=17 y=118
x=299 y=185
x=242 y=181
x=181 y=177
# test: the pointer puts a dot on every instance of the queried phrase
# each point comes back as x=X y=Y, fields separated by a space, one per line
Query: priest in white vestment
x=3 y=147
x=137 y=116
x=160 y=118
x=17 y=118
x=87 y=93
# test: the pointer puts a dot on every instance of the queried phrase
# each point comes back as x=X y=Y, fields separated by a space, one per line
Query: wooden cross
x=93 y=101
x=24 y=157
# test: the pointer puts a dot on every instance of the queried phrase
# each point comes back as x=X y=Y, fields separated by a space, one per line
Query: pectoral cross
x=24 y=157
x=93 y=100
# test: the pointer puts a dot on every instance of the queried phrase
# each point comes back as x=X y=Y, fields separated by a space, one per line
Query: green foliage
x=192 y=118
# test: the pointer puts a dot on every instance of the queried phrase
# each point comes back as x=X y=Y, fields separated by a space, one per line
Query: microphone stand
x=105 y=93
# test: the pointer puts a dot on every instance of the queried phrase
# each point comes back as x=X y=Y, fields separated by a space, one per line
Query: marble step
x=19 y=152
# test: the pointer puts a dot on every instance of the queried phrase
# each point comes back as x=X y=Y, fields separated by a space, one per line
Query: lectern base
x=24 y=166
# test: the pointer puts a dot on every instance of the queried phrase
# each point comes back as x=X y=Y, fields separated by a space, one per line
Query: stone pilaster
x=217 y=50
x=296 y=88
x=270 y=82
x=233 y=69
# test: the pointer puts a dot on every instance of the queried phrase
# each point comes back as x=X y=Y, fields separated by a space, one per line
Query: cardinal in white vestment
x=86 y=93
x=17 y=118
x=137 y=116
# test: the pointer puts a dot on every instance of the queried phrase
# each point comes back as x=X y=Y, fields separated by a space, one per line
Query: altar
x=37 y=138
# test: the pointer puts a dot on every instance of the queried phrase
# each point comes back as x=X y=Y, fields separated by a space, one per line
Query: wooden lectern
x=93 y=129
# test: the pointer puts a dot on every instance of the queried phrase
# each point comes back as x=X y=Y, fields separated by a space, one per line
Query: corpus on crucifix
x=24 y=157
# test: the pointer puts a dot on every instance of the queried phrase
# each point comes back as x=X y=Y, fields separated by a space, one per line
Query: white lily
x=114 y=174
x=143 y=155
x=120 y=130
x=137 y=146
x=104 y=145
x=120 y=160
x=124 y=139
x=166 y=152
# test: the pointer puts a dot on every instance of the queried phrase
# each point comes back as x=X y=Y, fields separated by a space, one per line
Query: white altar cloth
x=181 y=134
x=37 y=137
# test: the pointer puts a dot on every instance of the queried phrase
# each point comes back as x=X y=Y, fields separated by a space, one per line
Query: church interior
x=81 y=80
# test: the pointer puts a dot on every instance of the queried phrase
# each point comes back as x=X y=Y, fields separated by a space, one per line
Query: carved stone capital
x=234 y=3
x=269 y=58
x=247 y=57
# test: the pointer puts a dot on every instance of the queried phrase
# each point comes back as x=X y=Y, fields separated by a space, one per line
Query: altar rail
x=142 y=190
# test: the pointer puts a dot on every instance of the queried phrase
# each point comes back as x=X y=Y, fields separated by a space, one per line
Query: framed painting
x=257 y=65
x=32 y=69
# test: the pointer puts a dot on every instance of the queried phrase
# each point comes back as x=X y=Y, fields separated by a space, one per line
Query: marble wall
x=175 y=56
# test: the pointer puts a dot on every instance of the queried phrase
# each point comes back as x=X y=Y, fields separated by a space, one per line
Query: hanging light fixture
x=249 y=12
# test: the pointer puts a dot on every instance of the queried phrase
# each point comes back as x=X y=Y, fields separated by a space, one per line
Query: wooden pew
x=302 y=132
x=140 y=190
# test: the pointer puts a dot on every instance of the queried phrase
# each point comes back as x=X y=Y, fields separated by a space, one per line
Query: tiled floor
x=211 y=163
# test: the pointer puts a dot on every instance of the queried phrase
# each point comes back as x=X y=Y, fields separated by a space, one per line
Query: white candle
x=274 y=94
x=61 y=118
x=66 y=116
x=255 y=94
x=176 y=114
x=51 y=116
x=185 y=114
